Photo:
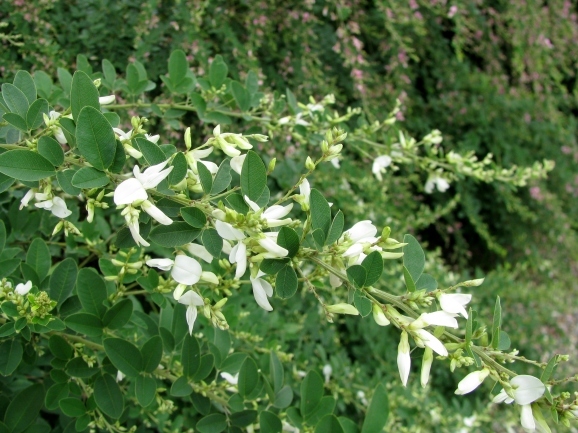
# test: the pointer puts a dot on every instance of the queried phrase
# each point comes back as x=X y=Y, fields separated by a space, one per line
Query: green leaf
x=253 y=176
x=174 y=235
x=65 y=80
x=25 y=165
x=269 y=422
x=241 y=96
x=276 y=371
x=413 y=257
x=145 y=389
x=237 y=203
x=16 y=101
x=409 y=283
x=118 y=315
x=218 y=72
x=17 y=121
x=336 y=228
x=373 y=264
x=38 y=256
x=273 y=266
x=8 y=266
x=50 y=149
x=85 y=323
x=426 y=282
x=181 y=387
x=119 y=158
x=83 y=93
x=469 y=326
x=69 y=129
x=152 y=352
x=124 y=356
x=311 y=393
x=60 y=347
x=286 y=282
x=34 y=116
x=152 y=153
x=43 y=84
x=362 y=304
x=91 y=290
x=243 y=418
x=89 y=177
x=77 y=367
x=222 y=178
x=24 y=408
x=497 y=323
x=357 y=275
x=505 y=341
x=179 y=170
x=108 y=397
x=24 y=81
x=213 y=423
x=320 y=212
x=283 y=397
x=212 y=242
x=54 y=394
x=289 y=240
x=319 y=238
x=95 y=138
x=63 y=280
x=248 y=377
x=205 y=176
x=292 y=101
x=10 y=356
x=378 y=411
x=252 y=82
x=2 y=235
x=72 y=407
x=550 y=367
x=178 y=67
x=190 y=356
x=65 y=181
x=325 y=407
x=329 y=424
x=194 y=216
x=109 y=72
x=82 y=64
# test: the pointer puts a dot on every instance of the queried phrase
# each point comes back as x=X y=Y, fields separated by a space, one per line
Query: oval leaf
x=25 y=165
x=95 y=138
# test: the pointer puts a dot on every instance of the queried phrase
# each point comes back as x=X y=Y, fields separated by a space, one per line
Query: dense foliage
x=493 y=77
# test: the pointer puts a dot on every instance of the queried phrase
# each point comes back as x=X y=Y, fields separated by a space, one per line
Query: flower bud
x=271 y=166
x=188 y=138
x=342 y=308
x=379 y=316
x=309 y=164
x=426 y=366
x=97 y=82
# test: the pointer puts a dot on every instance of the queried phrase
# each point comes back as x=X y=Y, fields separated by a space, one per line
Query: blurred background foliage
x=494 y=76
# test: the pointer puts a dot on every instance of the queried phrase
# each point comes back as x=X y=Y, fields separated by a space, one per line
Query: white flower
x=134 y=189
x=227 y=231
x=424 y=338
x=56 y=205
x=273 y=215
x=162 y=264
x=273 y=250
x=152 y=138
x=26 y=199
x=23 y=289
x=327 y=370
x=379 y=166
x=192 y=300
x=342 y=308
x=200 y=251
x=186 y=270
x=305 y=190
x=362 y=230
x=403 y=358
x=156 y=213
x=238 y=255
x=105 y=100
x=119 y=376
x=437 y=318
x=436 y=181
x=426 y=363
x=379 y=316
x=134 y=228
x=233 y=380
x=472 y=381
x=237 y=163
x=527 y=417
x=454 y=303
x=525 y=390
x=262 y=289
x=335 y=163
x=123 y=136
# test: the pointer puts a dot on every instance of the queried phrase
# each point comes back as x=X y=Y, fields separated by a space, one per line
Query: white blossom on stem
x=525 y=390
x=192 y=300
x=403 y=358
x=105 y=100
x=379 y=165
x=262 y=290
x=200 y=251
x=23 y=289
x=237 y=163
x=55 y=204
x=186 y=270
x=436 y=181
x=454 y=303
x=272 y=215
x=472 y=381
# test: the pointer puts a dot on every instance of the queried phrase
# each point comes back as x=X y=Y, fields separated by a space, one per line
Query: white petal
x=23 y=289
x=432 y=342
x=273 y=248
x=228 y=149
x=191 y=298
x=227 y=231
x=156 y=213
x=26 y=199
x=186 y=270
x=200 y=251
x=305 y=189
x=60 y=137
x=454 y=303
x=163 y=264
x=527 y=389
x=105 y=100
x=191 y=316
x=471 y=381
x=230 y=378
x=129 y=191
x=353 y=250
x=254 y=206
x=260 y=294
x=59 y=208
x=209 y=277
x=201 y=153
x=403 y=358
x=277 y=212
x=227 y=246
x=135 y=232
x=335 y=281
x=240 y=259
x=527 y=418
x=237 y=163
x=440 y=318
x=153 y=175
x=152 y=138
x=361 y=230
